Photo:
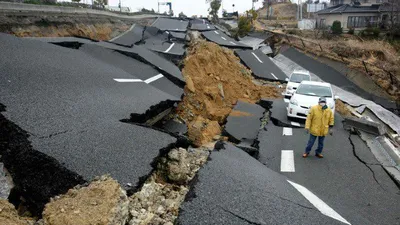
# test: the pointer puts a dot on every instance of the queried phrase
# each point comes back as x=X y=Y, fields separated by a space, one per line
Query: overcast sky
x=188 y=7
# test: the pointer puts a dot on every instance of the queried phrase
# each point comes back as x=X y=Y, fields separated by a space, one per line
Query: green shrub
x=337 y=27
x=244 y=26
x=351 y=31
x=370 y=32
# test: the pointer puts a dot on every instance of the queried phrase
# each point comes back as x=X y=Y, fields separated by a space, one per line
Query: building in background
x=356 y=14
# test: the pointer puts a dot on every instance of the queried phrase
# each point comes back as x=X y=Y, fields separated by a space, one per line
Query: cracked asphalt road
x=349 y=179
x=69 y=104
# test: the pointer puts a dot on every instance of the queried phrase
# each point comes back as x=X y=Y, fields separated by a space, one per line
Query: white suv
x=307 y=95
x=294 y=81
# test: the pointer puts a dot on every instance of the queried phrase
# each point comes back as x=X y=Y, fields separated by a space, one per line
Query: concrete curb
x=364 y=125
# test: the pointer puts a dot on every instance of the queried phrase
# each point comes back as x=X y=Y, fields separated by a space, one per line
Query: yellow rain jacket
x=319 y=120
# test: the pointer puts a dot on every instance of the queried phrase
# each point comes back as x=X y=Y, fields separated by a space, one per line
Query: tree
x=101 y=3
x=76 y=1
x=215 y=5
x=224 y=13
x=182 y=15
x=337 y=27
x=244 y=26
x=171 y=12
x=393 y=9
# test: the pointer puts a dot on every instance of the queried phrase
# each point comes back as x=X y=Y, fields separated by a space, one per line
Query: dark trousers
x=311 y=142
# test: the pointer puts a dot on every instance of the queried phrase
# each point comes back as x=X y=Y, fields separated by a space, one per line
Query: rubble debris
x=102 y=202
x=9 y=215
x=209 y=66
x=158 y=201
x=342 y=109
x=5 y=182
x=202 y=131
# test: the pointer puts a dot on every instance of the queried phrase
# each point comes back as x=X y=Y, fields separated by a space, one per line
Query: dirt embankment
x=215 y=81
x=97 y=28
x=379 y=56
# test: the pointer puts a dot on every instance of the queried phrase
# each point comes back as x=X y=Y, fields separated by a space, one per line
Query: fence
x=317 y=47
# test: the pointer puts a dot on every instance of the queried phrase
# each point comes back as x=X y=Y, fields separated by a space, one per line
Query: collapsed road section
x=70 y=122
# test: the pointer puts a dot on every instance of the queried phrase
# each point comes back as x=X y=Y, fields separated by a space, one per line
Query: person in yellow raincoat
x=319 y=120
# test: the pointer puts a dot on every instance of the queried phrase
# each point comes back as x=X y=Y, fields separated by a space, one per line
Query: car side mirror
x=336 y=97
x=287 y=79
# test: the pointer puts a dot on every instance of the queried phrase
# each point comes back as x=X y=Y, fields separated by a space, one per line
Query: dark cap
x=322 y=99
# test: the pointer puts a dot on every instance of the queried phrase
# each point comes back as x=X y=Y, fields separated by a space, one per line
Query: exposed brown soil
x=9 y=215
x=342 y=109
x=103 y=202
x=351 y=50
x=238 y=113
x=65 y=26
x=215 y=81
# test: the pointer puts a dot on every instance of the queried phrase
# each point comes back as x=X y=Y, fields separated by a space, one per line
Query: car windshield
x=298 y=77
x=314 y=90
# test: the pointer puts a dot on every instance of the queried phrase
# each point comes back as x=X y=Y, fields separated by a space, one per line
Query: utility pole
x=120 y=6
x=158 y=6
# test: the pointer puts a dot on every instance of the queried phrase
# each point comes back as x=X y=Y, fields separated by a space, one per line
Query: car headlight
x=294 y=102
x=289 y=87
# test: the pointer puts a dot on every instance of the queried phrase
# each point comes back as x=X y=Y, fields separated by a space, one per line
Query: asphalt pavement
x=167 y=24
x=131 y=37
x=234 y=188
x=70 y=106
x=261 y=65
x=350 y=180
x=222 y=39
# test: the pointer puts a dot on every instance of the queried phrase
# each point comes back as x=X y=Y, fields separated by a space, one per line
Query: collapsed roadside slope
x=216 y=80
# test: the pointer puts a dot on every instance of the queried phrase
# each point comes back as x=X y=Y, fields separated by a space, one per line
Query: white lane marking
x=170 y=47
x=208 y=27
x=128 y=80
x=223 y=38
x=286 y=100
x=287 y=131
x=318 y=203
x=257 y=57
x=295 y=124
x=232 y=43
x=204 y=21
x=287 y=161
x=274 y=76
x=151 y=79
x=216 y=32
x=123 y=33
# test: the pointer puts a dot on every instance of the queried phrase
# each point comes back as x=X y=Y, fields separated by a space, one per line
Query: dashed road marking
x=216 y=32
x=287 y=161
x=130 y=29
x=287 y=131
x=295 y=124
x=318 y=203
x=232 y=43
x=223 y=38
x=151 y=79
x=170 y=47
x=128 y=80
x=208 y=27
x=274 y=76
x=257 y=57
x=204 y=21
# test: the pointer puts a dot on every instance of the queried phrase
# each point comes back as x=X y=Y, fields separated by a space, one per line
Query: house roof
x=347 y=8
